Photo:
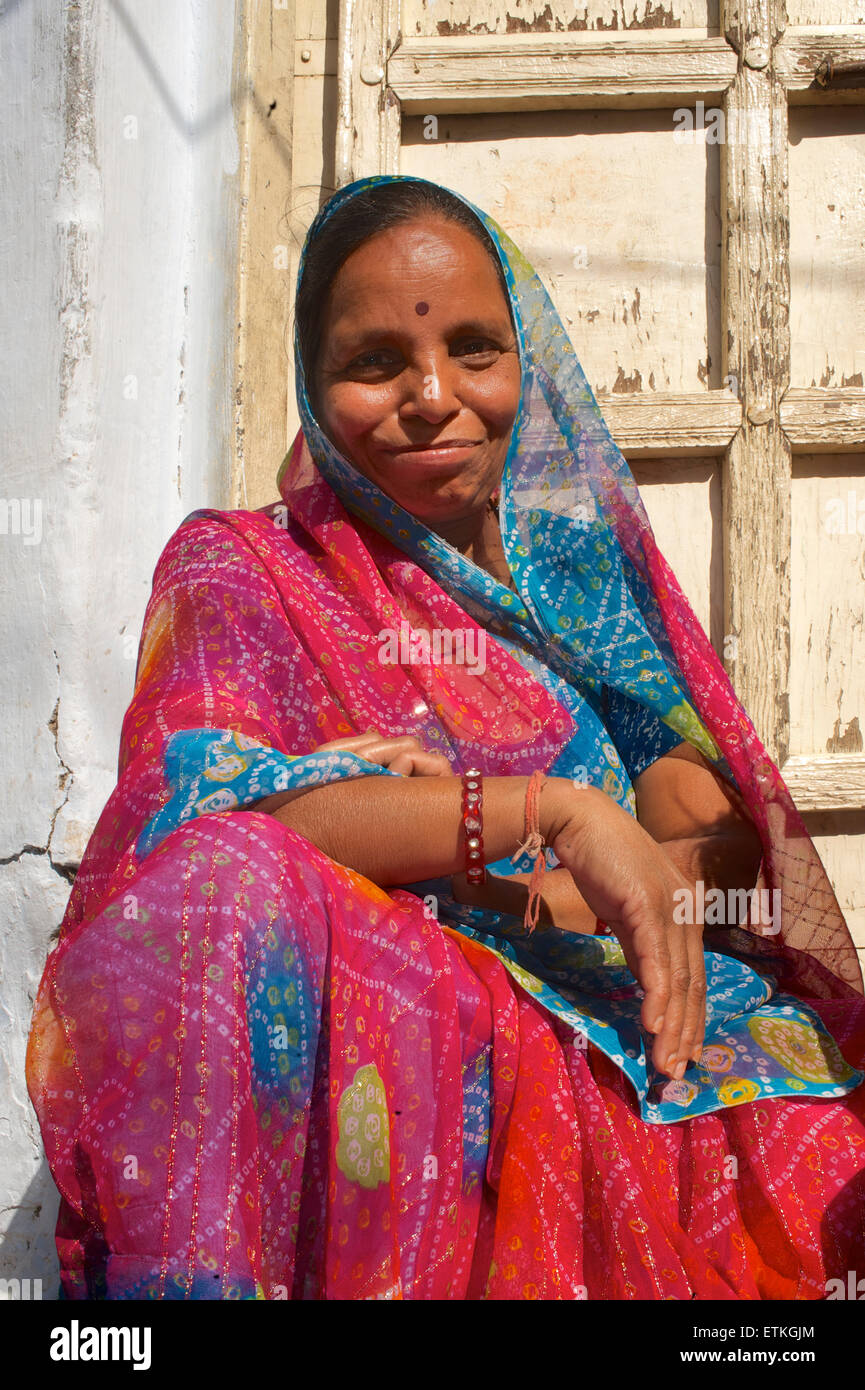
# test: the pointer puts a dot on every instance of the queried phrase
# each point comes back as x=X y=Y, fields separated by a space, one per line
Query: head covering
x=595 y=595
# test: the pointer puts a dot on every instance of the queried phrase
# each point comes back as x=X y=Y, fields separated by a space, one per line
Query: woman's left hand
x=632 y=885
x=561 y=905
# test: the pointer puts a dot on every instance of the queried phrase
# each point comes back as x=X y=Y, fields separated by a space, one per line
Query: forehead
x=414 y=259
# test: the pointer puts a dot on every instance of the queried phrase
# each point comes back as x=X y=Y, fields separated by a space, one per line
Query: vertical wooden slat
x=265 y=81
x=368 y=115
x=755 y=298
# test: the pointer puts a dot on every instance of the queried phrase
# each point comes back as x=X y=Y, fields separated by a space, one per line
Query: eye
x=475 y=347
x=376 y=357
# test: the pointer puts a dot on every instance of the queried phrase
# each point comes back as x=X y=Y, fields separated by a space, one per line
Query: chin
x=433 y=509
x=447 y=499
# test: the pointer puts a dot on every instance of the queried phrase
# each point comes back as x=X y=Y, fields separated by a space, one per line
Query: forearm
x=403 y=829
x=727 y=859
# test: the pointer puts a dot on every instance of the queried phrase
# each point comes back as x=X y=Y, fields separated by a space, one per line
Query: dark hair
x=373 y=210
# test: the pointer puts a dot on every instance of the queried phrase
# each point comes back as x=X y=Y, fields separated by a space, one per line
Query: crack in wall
x=65 y=781
x=67 y=871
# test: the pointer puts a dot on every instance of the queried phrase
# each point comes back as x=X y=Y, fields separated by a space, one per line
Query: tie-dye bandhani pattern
x=259 y=1075
x=582 y=980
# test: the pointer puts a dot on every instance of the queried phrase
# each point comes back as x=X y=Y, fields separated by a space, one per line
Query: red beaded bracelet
x=473 y=824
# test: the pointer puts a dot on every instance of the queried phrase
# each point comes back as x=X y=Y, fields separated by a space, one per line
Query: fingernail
x=671 y=1062
x=658 y=1024
x=680 y=1070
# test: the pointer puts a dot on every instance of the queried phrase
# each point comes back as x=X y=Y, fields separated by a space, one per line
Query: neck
x=479 y=538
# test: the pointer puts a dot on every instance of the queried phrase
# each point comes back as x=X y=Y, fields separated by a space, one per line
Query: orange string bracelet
x=534 y=847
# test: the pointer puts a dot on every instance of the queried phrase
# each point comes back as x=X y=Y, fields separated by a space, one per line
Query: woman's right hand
x=405 y=755
x=629 y=882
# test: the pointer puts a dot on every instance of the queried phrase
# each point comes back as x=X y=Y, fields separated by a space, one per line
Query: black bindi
x=421 y=307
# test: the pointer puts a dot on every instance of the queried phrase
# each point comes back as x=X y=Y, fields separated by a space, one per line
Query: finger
x=665 y=1052
x=648 y=959
x=699 y=1041
x=403 y=763
x=405 y=755
x=697 y=1054
x=408 y=760
x=351 y=744
x=432 y=765
x=691 y=1036
x=385 y=750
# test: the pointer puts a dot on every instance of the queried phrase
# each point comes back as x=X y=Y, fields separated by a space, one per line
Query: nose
x=431 y=390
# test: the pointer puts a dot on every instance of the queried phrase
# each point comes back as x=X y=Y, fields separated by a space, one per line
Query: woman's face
x=418 y=380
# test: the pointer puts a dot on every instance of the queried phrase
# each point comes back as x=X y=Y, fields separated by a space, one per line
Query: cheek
x=349 y=411
x=495 y=396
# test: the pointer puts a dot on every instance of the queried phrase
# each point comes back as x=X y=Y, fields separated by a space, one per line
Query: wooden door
x=690 y=182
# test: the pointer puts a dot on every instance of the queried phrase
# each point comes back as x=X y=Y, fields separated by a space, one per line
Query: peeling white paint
x=118 y=244
x=32 y=900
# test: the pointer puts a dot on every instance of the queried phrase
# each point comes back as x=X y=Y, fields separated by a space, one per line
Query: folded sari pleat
x=230 y=1037
x=260 y=1075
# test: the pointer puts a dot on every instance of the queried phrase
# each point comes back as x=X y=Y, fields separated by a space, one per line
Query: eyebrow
x=344 y=339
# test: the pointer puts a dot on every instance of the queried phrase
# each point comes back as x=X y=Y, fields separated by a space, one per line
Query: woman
x=287 y=1046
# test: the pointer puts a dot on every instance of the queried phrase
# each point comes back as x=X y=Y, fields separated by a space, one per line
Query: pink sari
x=496 y=1159
x=259 y=1075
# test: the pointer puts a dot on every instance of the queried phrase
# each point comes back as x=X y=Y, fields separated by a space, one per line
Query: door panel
x=713 y=284
x=827 y=246
x=440 y=18
x=827 y=629
x=619 y=217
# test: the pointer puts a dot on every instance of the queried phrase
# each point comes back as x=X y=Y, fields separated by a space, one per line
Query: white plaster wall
x=119 y=167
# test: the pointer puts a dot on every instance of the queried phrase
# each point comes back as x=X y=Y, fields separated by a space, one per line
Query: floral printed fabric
x=259 y=1075
x=582 y=980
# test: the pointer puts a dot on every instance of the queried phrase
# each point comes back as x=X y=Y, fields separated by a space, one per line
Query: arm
x=700 y=825
x=724 y=859
x=400 y=830
x=692 y=813
x=699 y=819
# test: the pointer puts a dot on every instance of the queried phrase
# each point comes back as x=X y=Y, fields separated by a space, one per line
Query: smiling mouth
x=443 y=446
